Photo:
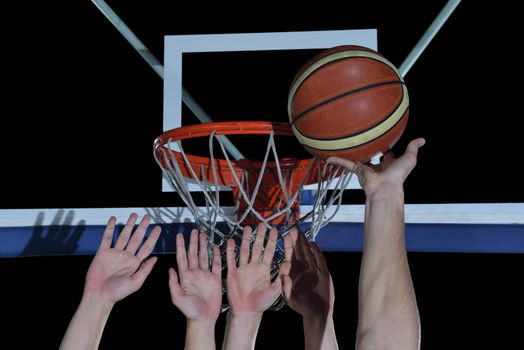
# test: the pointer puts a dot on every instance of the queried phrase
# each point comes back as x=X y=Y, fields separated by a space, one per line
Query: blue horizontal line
x=336 y=236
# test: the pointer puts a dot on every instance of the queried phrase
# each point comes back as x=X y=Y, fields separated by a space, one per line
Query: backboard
x=89 y=109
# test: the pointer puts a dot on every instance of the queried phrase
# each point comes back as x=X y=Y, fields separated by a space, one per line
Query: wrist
x=201 y=324
x=248 y=321
x=320 y=333
x=200 y=334
x=245 y=317
x=241 y=330
x=387 y=191
x=318 y=320
x=201 y=328
x=96 y=304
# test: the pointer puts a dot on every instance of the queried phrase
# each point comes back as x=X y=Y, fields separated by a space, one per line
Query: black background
x=81 y=110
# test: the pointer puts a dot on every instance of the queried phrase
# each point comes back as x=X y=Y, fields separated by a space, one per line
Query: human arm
x=309 y=291
x=197 y=290
x=249 y=288
x=113 y=274
x=388 y=314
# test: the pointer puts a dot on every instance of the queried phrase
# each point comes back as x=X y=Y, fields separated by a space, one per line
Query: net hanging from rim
x=266 y=191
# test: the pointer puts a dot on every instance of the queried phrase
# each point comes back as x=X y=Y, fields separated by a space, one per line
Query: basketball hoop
x=266 y=191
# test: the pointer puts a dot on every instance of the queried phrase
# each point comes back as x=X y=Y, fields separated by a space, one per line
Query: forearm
x=387 y=307
x=200 y=335
x=87 y=324
x=319 y=334
x=241 y=331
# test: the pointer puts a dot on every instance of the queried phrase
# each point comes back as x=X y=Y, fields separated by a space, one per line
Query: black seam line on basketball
x=367 y=129
x=360 y=144
x=345 y=94
x=343 y=59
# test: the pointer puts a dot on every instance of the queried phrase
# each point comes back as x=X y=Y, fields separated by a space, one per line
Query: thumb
x=174 y=285
x=414 y=145
x=408 y=160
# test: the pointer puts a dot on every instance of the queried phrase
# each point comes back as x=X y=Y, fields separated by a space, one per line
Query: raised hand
x=121 y=270
x=388 y=314
x=197 y=289
x=249 y=286
x=389 y=171
x=308 y=287
x=309 y=291
x=113 y=274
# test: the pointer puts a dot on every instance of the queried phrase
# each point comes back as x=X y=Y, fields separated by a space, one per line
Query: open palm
x=119 y=271
x=309 y=287
x=249 y=286
x=196 y=290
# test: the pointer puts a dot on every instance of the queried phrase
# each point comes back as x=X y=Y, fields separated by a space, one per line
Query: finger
x=298 y=247
x=285 y=268
x=294 y=235
x=244 y=246
x=308 y=255
x=107 y=237
x=192 y=251
x=276 y=286
x=350 y=165
x=412 y=148
x=149 y=244
x=287 y=282
x=288 y=244
x=297 y=258
x=410 y=156
x=126 y=232
x=319 y=257
x=294 y=246
x=414 y=145
x=270 y=246
x=181 y=258
x=140 y=276
x=216 y=268
x=258 y=246
x=174 y=285
x=230 y=254
x=288 y=285
x=203 y=262
x=138 y=235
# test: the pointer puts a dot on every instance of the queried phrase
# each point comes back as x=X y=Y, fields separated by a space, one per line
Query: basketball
x=350 y=102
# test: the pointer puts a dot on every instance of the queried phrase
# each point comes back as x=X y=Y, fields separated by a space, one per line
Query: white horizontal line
x=481 y=213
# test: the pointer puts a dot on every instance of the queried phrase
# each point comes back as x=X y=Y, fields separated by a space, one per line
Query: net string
x=207 y=217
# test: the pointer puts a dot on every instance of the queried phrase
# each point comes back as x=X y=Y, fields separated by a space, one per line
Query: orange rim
x=202 y=166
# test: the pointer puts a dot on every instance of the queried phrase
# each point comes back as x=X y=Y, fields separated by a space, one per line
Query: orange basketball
x=348 y=101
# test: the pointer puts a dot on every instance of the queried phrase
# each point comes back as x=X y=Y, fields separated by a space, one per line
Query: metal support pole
x=159 y=69
x=435 y=26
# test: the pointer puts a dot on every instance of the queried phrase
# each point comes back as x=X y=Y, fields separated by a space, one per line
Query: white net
x=221 y=222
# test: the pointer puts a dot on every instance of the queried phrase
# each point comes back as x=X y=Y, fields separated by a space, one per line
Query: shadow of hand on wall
x=57 y=238
x=169 y=220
